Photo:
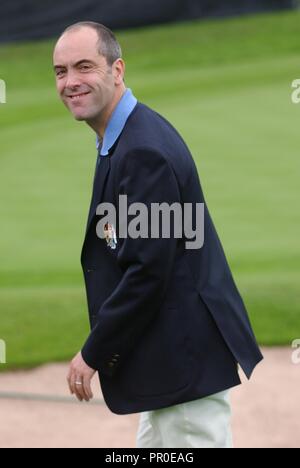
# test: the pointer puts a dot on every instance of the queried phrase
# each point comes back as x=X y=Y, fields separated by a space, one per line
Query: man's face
x=84 y=80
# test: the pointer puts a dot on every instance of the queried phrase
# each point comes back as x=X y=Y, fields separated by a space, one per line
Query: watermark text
x=296 y=353
x=2 y=92
x=296 y=93
x=157 y=221
x=2 y=352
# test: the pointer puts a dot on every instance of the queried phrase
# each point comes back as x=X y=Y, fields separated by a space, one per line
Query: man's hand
x=79 y=379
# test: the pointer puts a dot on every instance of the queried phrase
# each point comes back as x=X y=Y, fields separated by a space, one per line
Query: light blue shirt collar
x=117 y=122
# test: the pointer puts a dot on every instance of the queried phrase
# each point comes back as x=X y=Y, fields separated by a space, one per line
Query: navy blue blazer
x=168 y=324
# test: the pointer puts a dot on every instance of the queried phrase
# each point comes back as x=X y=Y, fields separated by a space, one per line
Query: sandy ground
x=36 y=410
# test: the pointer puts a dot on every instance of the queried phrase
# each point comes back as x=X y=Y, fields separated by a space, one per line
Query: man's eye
x=85 y=67
x=59 y=73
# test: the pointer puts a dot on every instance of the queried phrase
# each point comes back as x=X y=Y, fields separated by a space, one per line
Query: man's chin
x=80 y=118
x=83 y=116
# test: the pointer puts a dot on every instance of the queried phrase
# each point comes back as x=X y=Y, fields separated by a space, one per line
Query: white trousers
x=204 y=423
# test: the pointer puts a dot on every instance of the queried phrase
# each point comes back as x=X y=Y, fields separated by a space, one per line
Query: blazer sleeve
x=145 y=176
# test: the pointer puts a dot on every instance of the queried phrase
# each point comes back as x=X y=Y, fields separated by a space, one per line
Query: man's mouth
x=76 y=97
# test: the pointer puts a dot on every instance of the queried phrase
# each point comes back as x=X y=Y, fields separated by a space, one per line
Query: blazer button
x=111 y=364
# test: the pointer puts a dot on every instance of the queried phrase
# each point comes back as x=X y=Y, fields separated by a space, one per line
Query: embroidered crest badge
x=110 y=236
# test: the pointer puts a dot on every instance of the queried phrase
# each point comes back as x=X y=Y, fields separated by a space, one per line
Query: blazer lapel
x=102 y=171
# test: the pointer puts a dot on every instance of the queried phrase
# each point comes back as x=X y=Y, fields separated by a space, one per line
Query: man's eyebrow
x=56 y=67
x=76 y=64
x=84 y=61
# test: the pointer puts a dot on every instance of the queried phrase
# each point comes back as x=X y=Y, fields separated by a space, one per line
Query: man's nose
x=72 y=80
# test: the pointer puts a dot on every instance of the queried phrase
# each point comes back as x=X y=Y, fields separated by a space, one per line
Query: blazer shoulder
x=149 y=131
x=147 y=128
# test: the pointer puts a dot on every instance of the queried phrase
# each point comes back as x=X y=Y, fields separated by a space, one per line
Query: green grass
x=226 y=86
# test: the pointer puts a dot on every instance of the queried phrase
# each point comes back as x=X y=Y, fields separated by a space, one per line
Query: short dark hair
x=109 y=47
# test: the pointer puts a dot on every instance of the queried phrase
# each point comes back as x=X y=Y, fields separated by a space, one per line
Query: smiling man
x=168 y=325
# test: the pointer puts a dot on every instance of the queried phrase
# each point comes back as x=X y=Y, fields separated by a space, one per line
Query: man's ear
x=119 y=71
